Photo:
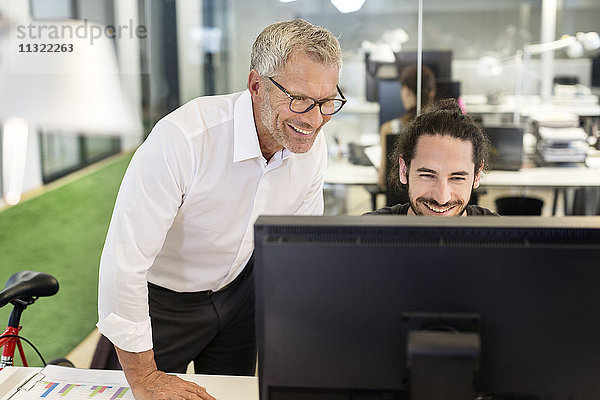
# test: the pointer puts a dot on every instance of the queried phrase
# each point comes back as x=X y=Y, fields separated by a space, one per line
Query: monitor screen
x=390 y=100
x=446 y=88
x=439 y=61
x=506 y=151
x=343 y=303
x=596 y=71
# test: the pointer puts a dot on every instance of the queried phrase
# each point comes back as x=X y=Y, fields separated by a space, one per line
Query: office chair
x=519 y=206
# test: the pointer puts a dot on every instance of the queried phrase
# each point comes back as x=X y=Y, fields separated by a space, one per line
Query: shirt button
x=131 y=331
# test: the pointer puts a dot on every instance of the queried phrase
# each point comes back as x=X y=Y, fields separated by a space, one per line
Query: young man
x=441 y=155
x=176 y=280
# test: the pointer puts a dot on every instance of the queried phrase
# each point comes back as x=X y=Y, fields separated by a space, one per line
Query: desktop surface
x=333 y=319
x=220 y=386
x=343 y=172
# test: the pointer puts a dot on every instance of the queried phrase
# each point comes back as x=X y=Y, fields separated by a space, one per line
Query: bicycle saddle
x=28 y=284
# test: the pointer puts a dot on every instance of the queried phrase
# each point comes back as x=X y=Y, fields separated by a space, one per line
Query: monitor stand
x=442 y=363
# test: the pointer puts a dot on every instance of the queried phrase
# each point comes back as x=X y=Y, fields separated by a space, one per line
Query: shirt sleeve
x=150 y=195
x=313 y=203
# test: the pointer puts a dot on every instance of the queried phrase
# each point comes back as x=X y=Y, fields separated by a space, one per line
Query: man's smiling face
x=441 y=176
x=277 y=125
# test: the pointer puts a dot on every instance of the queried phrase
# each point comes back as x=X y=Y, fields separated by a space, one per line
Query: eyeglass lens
x=304 y=105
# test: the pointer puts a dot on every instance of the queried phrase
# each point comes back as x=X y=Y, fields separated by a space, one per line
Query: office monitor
x=343 y=303
x=506 y=152
x=390 y=100
x=596 y=71
x=439 y=61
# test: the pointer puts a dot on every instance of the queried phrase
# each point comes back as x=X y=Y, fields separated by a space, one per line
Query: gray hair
x=277 y=42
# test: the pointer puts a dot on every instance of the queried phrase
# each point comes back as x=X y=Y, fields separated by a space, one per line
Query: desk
x=544 y=177
x=557 y=178
x=344 y=173
x=221 y=387
x=529 y=105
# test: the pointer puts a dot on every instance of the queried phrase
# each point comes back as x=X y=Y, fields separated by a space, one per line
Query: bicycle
x=22 y=289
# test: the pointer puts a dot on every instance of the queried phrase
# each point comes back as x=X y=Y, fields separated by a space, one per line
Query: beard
x=457 y=204
x=276 y=128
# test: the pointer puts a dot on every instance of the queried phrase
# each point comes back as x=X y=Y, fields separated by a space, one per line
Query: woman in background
x=408 y=94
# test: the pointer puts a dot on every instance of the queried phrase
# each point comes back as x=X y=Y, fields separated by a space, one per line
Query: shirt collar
x=245 y=136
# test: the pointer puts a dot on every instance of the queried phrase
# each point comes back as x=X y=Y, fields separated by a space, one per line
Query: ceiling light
x=347 y=6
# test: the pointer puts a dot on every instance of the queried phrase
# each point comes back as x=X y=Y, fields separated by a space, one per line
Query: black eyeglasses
x=301 y=104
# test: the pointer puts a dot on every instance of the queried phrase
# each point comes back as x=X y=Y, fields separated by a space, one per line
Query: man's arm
x=146 y=206
x=148 y=383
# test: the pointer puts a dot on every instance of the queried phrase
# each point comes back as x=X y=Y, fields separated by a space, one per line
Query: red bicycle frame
x=9 y=339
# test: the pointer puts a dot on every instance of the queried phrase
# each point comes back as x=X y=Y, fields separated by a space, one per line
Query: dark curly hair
x=443 y=117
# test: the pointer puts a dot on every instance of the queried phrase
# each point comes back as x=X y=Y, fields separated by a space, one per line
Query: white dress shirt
x=185 y=212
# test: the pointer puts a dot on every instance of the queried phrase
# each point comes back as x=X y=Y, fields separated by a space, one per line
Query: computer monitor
x=447 y=88
x=439 y=61
x=343 y=304
x=390 y=100
x=506 y=152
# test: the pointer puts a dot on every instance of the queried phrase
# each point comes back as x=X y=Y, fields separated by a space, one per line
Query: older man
x=176 y=279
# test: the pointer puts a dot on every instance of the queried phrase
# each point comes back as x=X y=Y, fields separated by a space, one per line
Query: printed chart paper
x=55 y=382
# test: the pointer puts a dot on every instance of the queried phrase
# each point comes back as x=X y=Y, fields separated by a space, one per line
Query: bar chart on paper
x=74 y=391
x=75 y=384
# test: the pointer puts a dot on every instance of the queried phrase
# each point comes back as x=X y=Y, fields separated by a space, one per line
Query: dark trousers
x=213 y=329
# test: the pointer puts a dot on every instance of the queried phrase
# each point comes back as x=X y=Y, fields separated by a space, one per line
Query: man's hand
x=160 y=386
x=148 y=383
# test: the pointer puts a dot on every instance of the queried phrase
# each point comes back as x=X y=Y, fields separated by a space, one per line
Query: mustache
x=435 y=203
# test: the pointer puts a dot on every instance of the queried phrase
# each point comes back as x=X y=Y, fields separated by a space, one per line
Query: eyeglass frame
x=315 y=102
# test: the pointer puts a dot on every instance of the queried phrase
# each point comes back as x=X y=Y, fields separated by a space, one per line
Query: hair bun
x=448 y=104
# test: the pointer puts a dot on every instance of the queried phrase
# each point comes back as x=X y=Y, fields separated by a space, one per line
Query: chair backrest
x=519 y=206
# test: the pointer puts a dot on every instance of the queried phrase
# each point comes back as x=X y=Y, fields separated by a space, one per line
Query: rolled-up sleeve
x=150 y=195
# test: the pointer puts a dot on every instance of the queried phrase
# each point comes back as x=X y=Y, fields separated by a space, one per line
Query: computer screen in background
x=390 y=101
x=512 y=301
x=506 y=147
x=596 y=71
x=439 y=61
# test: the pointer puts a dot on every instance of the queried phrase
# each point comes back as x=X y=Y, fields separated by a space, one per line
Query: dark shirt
x=402 y=209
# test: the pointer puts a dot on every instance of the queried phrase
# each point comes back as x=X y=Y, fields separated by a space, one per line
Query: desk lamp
x=59 y=74
x=575 y=46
